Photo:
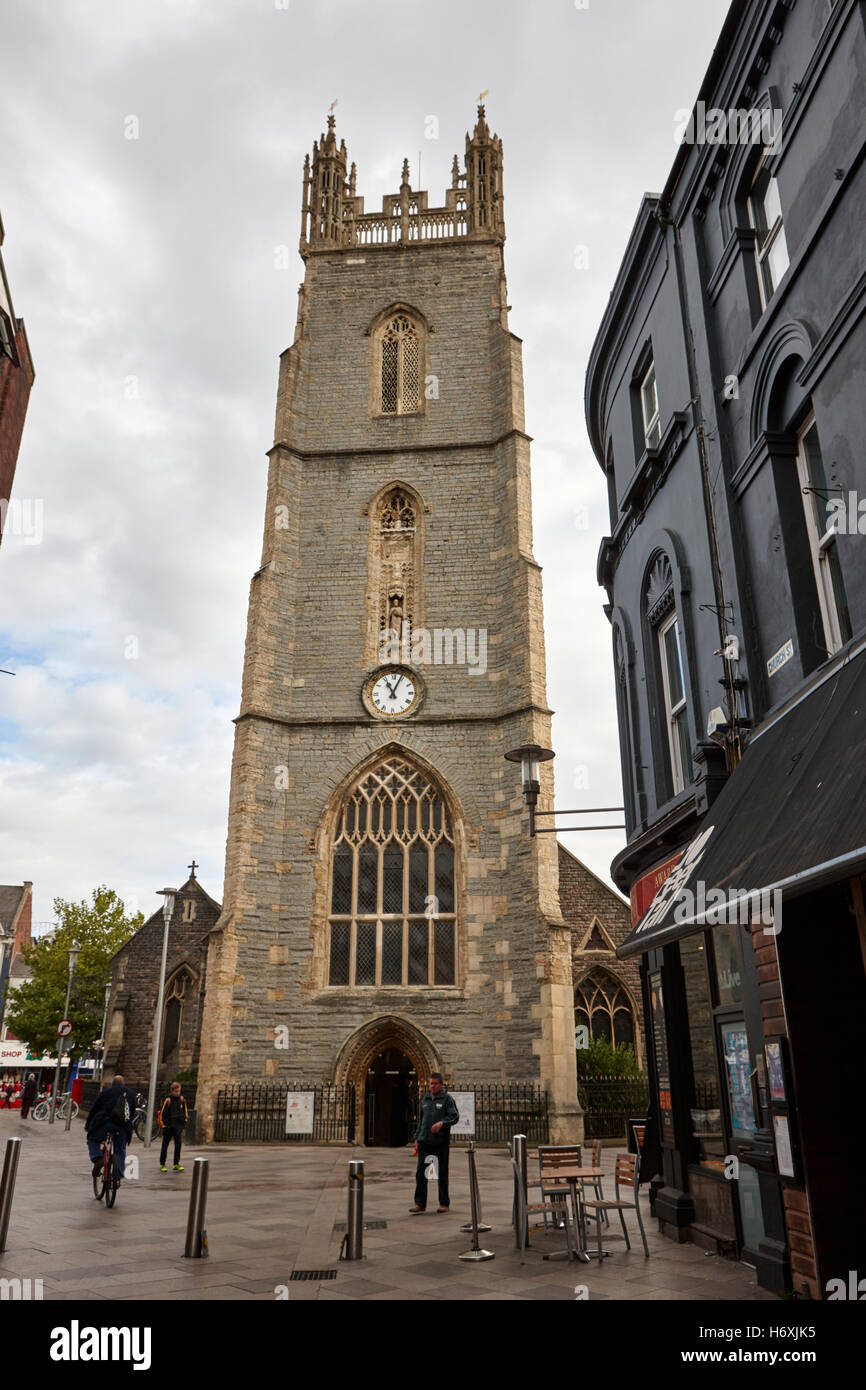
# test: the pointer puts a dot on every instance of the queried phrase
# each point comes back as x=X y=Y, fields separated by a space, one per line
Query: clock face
x=393 y=692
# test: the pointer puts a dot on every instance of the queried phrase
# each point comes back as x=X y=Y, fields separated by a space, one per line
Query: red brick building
x=16 y=911
x=16 y=379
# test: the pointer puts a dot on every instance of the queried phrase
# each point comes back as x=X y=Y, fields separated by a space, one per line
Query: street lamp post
x=104 y=1026
x=529 y=755
x=74 y=952
x=168 y=897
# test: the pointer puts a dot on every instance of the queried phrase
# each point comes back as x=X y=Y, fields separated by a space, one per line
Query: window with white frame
x=765 y=215
x=676 y=705
x=649 y=404
x=823 y=538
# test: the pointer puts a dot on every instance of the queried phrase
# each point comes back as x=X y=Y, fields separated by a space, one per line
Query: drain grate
x=368 y=1226
x=312 y=1274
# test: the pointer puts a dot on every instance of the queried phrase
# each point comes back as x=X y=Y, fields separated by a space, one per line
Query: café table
x=573 y=1174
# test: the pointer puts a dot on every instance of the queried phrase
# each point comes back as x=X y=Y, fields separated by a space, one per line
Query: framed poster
x=660 y=1042
x=735 y=1049
x=776 y=1072
x=465 y=1102
x=300 y=1110
x=784 y=1149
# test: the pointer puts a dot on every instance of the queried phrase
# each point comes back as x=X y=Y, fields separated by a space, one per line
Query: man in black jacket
x=173 y=1115
x=107 y=1116
x=438 y=1114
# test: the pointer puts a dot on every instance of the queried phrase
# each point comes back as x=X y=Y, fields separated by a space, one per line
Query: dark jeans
x=167 y=1134
x=94 y=1148
x=441 y=1152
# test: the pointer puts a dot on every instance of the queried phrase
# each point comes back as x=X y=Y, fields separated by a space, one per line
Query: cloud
x=144 y=269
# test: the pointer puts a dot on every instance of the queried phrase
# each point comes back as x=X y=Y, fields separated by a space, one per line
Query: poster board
x=300 y=1111
x=465 y=1102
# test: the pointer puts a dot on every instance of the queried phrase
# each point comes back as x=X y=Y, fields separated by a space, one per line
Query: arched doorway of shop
x=390 y=1100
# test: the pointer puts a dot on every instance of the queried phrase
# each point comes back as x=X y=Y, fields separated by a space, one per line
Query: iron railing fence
x=255 y=1113
x=608 y=1102
x=502 y=1111
x=91 y=1089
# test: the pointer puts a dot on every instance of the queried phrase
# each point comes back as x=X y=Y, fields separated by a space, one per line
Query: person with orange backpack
x=173 y=1115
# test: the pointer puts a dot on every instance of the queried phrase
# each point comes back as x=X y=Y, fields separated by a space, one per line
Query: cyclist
x=113 y=1111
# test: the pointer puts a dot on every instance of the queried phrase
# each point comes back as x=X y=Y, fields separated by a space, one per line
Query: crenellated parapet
x=333 y=216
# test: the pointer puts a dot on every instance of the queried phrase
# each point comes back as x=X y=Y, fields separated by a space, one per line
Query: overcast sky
x=145 y=272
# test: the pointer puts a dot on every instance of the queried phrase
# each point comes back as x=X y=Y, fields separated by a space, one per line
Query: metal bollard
x=196 y=1235
x=518 y=1149
x=355 y=1223
x=480 y=1225
x=7 y=1187
x=476 y=1253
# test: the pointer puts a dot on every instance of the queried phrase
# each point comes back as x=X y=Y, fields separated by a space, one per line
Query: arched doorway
x=369 y=1059
x=390 y=1100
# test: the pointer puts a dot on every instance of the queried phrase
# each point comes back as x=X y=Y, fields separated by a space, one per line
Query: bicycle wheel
x=99 y=1182
x=74 y=1110
x=41 y=1111
x=113 y=1181
x=138 y=1127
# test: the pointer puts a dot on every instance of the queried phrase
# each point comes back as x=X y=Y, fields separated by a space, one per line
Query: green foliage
x=35 y=1009
x=601 y=1058
x=189 y=1075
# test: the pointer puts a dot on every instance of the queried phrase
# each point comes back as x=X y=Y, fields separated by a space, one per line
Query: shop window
x=704 y=1102
x=823 y=538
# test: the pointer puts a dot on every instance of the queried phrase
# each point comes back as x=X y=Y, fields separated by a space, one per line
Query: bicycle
x=42 y=1108
x=106 y=1180
x=139 y=1124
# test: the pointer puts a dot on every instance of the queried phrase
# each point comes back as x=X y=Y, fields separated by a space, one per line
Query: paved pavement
x=276 y=1209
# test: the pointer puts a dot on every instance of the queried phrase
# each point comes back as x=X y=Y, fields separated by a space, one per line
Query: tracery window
x=401 y=366
x=173 y=1013
x=393 y=903
x=603 y=1006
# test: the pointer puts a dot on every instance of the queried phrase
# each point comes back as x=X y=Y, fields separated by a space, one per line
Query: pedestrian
x=5 y=1095
x=28 y=1095
x=438 y=1115
x=173 y=1115
x=113 y=1112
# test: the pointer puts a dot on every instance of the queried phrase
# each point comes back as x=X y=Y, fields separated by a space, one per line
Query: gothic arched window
x=173 y=1013
x=602 y=1005
x=393 y=902
x=400 y=356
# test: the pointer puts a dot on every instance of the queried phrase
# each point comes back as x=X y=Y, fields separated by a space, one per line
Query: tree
x=35 y=1009
x=601 y=1058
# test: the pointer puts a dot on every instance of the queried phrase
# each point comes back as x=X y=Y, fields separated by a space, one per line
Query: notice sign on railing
x=465 y=1102
x=300 y=1109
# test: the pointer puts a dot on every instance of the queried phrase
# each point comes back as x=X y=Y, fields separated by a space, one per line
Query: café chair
x=626 y=1173
x=557 y=1206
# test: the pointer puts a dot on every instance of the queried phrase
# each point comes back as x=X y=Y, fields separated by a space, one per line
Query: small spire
x=455 y=172
x=332 y=120
x=405 y=183
x=352 y=179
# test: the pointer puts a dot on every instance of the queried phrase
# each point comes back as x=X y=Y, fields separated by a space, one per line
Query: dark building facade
x=16 y=379
x=135 y=985
x=725 y=403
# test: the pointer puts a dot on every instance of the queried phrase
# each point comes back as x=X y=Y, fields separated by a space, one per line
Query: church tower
x=385 y=909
